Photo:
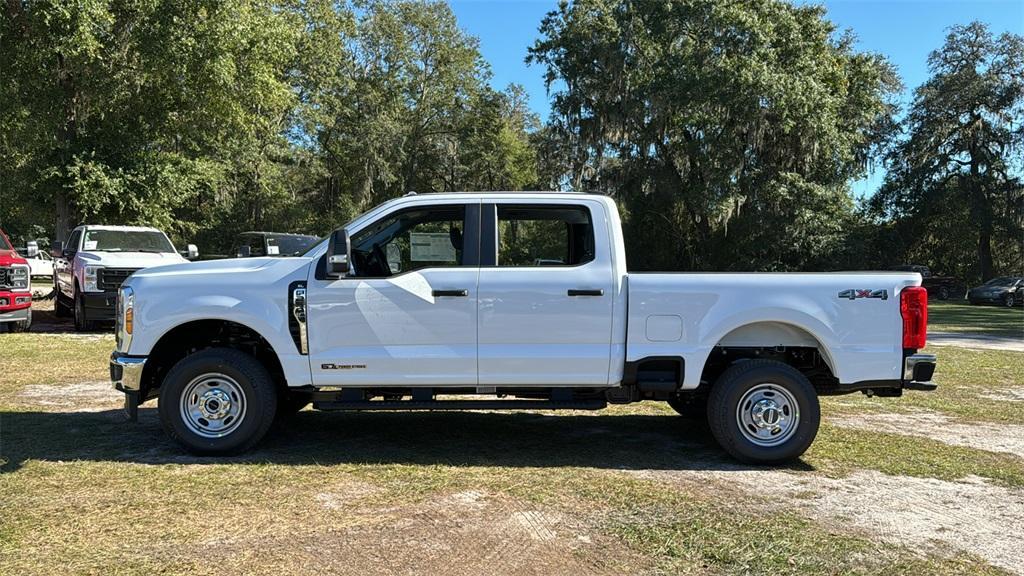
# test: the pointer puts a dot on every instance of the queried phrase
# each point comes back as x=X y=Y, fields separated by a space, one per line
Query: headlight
x=91 y=282
x=19 y=277
x=125 y=322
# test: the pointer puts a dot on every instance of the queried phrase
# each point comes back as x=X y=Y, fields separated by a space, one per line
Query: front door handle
x=582 y=292
x=437 y=293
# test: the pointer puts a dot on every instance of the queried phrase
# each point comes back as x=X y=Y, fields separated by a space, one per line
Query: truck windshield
x=283 y=245
x=126 y=241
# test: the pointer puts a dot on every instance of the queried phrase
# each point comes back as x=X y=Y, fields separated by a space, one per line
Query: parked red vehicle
x=15 y=288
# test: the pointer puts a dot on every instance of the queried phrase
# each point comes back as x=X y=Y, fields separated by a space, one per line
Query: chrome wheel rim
x=212 y=405
x=768 y=415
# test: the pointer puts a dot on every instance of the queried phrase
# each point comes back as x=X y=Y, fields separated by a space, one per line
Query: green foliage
x=953 y=185
x=727 y=131
x=209 y=117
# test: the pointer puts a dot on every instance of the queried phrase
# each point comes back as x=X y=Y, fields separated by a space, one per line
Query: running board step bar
x=459 y=405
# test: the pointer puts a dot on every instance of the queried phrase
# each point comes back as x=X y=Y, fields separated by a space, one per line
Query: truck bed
x=852 y=318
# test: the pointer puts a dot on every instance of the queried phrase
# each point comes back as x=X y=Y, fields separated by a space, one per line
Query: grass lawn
x=633 y=489
x=959 y=316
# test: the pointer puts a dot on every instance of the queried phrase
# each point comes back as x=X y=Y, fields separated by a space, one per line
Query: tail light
x=914 y=309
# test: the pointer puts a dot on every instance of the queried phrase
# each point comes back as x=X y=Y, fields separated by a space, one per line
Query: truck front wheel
x=763 y=412
x=217 y=401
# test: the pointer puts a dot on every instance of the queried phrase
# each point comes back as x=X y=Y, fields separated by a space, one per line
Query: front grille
x=5 y=277
x=110 y=279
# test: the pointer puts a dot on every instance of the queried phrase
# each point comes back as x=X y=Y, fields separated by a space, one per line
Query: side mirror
x=244 y=251
x=32 y=250
x=57 y=250
x=339 y=252
x=191 y=252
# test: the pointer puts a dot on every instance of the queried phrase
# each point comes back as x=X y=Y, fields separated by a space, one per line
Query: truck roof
x=121 y=228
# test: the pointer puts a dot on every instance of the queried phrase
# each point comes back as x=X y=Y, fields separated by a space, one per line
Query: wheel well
x=807 y=360
x=191 y=337
x=779 y=341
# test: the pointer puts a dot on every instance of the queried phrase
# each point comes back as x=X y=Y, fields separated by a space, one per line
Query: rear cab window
x=544 y=235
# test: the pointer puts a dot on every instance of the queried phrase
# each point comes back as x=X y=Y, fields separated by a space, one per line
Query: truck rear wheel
x=763 y=412
x=217 y=401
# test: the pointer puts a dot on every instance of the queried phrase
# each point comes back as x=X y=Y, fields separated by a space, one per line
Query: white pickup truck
x=90 y=267
x=506 y=300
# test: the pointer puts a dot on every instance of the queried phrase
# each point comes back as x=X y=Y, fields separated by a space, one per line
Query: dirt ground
x=321 y=497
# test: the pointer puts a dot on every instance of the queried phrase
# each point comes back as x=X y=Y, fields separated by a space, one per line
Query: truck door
x=63 y=272
x=545 y=294
x=406 y=314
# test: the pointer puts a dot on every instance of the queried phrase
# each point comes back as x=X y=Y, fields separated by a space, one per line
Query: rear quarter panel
x=861 y=339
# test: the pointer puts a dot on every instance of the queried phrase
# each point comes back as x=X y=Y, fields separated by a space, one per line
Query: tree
x=954 y=179
x=146 y=111
x=727 y=131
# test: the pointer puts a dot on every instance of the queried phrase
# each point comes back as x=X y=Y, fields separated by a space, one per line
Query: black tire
x=750 y=377
x=944 y=293
x=21 y=326
x=1010 y=300
x=253 y=382
x=82 y=322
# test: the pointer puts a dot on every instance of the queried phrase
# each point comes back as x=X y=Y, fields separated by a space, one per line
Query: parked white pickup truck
x=90 y=267
x=522 y=299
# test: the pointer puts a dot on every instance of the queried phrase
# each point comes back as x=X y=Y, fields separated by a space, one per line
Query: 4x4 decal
x=854 y=293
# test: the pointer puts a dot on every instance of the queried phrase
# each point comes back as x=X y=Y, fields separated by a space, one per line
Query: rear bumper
x=918 y=370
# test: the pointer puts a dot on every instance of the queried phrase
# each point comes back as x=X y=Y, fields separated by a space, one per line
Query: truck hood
x=227 y=271
x=129 y=259
x=8 y=257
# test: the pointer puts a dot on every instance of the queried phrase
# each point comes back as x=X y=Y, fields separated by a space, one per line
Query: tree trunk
x=985 y=253
x=66 y=138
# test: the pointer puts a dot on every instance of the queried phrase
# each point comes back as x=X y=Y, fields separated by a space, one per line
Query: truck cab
x=15 y=288
x=507 y=301
x=94 y=262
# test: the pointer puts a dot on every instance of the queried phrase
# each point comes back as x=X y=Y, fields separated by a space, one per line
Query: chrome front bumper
x=126 y=372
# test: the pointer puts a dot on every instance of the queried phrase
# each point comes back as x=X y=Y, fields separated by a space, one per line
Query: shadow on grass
x=417 y=438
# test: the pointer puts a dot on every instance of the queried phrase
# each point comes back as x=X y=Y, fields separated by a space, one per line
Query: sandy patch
x=80 y=397
x=1015 y=394
x=983 y=436
x=469 y=532
x=972 y=516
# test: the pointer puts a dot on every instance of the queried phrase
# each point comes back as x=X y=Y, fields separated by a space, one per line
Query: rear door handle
x=450 y=293
x=582 y=292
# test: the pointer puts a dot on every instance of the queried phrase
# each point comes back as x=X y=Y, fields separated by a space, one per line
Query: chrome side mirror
x=191 y=252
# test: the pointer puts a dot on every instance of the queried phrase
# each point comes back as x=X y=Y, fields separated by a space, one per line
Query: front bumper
x=126 y=372
x=100 y=306
x=126 y=375
x=19 y=312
